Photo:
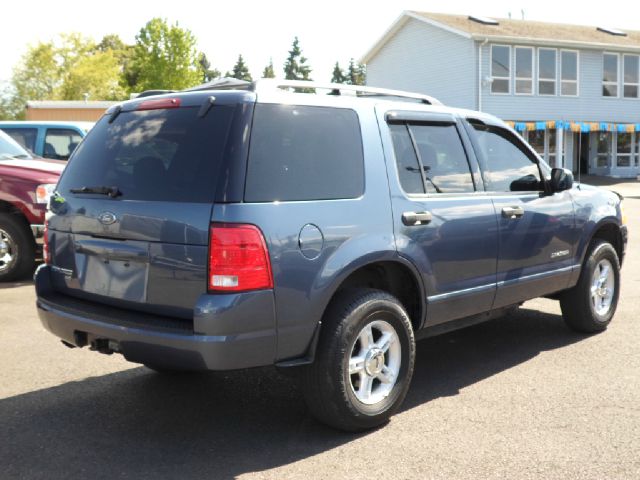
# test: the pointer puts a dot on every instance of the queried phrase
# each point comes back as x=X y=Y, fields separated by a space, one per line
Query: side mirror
x=561 y=179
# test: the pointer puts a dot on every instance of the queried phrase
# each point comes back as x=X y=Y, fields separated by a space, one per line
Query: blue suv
x=320 y=228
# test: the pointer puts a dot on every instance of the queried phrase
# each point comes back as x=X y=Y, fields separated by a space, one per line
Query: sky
x=328 y=30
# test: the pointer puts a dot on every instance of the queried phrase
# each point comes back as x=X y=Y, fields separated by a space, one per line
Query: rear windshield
x=163 y=155
x=304 y=153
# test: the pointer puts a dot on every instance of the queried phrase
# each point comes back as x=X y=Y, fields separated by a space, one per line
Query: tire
x=367 y=395
x=17 y=248
x=590 y=305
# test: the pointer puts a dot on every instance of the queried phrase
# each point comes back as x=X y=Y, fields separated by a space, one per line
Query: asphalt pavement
x=520 y=397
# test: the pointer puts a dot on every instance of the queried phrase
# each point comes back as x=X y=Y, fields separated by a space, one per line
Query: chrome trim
x=536 y=276
x=503 y=283
x=457 y=293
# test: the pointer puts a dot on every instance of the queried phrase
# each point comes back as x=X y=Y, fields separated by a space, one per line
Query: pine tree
x=208 y=74
x=338 y=74
x=241 y=71
x=268 y=71
x=295 y=68
x=356 y=73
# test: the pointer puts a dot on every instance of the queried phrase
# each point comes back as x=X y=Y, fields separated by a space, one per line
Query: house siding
x=589 y=106
x=426 y=59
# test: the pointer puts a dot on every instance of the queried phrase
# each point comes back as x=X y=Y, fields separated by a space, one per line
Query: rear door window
x=304 y=153
x=435 y=152
x=59 y=143
x=163 y=155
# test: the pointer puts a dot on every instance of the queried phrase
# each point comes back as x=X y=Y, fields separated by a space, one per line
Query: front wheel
x=590 y=305
x=364 y=361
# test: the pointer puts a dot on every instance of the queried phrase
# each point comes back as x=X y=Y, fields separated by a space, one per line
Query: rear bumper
x=229 y=331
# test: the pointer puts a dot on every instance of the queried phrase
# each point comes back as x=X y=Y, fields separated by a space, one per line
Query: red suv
x=26 y=183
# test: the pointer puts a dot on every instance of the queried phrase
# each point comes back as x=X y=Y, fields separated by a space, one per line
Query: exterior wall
x=429 y=60
x=66 y=114
x=589 y=106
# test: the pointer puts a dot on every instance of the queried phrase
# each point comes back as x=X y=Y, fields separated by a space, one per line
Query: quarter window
x=630 y=76
x=610 y=75
x=524 y=70
x=304 y=153
x=546 y=71
x=500 y=68
x=568 y=73
x=505 y=160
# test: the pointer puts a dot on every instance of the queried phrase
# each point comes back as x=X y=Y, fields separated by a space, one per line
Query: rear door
x=59 y=143
x=537 y=233
x=443 y=222
x=145 y=246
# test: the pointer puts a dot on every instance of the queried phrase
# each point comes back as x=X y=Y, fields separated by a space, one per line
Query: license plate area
x=121 y=279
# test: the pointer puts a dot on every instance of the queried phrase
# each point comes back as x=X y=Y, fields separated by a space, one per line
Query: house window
x=604 y=147
x=524 y=70
x=568 y=73
x=610 y=75
x=623 y=158
x=500 y=68
x=546 y=71
x=551 y=148
x=631 y=79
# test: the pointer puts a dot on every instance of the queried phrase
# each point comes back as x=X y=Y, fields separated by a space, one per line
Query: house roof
x=544 y=33
x=79 y=104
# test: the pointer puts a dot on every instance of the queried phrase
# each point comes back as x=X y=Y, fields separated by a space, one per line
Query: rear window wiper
x=112 y=192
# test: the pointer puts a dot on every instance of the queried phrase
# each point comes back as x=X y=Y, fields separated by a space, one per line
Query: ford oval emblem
x=107 y=218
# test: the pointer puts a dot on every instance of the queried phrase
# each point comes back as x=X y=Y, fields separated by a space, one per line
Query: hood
x=37 y=171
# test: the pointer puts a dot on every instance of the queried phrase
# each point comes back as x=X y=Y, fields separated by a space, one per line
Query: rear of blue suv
x=223 y=230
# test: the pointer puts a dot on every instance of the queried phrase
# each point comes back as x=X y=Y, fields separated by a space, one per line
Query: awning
x=583 y=127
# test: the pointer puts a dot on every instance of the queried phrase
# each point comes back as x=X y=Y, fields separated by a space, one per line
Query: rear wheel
x=364 y=361
x=590 y=305
x=17 y=248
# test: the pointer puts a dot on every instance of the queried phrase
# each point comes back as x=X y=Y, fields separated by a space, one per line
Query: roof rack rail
x=271 y=84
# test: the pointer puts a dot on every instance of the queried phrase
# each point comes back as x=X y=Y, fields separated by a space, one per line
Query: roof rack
x=271 y=84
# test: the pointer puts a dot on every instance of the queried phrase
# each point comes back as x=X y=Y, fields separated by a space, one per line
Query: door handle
x=512 y=212
x=416 y=218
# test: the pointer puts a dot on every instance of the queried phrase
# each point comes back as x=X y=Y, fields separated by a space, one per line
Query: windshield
x=9 y=148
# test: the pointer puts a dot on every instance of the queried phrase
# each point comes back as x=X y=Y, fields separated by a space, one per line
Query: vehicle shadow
x=138 y=424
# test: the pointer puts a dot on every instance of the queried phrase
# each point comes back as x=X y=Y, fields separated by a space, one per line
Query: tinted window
x=443 y=158
x=9 y=148
x=24 y=136
x=59 y=143
x=406 y=160
x=165 y=155
x=304 y=153
x=504 y=158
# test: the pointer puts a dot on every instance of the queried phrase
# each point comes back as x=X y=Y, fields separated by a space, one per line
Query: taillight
x=238 y=258
x=45 y=244
x=159 y=104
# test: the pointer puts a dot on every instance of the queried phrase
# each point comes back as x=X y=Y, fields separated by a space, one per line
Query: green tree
x=165 y=57
x=241 y=71
x=208 y=74
x=295 y=67
x=97 y=75
x=268 y=71
x=338 y=74
x=356 y=73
